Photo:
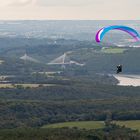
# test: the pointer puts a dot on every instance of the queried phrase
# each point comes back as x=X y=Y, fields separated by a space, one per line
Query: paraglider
x=119 y=69
x=101 y=33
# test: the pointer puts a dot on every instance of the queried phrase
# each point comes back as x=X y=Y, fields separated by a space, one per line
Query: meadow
x=78 y=124
x=113 y=50
x=24 y=85
x=134 y=124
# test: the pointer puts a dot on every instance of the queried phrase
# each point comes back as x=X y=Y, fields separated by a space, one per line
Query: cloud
x=69 y=9
x=20 y=2
x=4 y=3
x=62 y=3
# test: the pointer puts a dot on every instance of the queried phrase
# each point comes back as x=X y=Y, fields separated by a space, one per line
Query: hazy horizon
x=69 y=10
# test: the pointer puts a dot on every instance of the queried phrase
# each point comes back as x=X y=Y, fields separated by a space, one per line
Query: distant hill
x=90 y=53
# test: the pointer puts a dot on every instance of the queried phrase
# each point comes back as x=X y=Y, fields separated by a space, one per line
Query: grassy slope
x=130 y=124
x=135 y=124
x=83 y=124
x=24 y=85
x=113 y=50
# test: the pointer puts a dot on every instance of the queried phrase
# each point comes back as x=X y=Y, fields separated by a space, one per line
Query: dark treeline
x=70 y=90
x=111 y=132
x=38 y=113
x=70 y=100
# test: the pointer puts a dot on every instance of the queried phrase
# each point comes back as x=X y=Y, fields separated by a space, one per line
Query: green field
x=94 y=124
x=24 y=85
x=113 y=50
x=129 y=124
x=80 y=124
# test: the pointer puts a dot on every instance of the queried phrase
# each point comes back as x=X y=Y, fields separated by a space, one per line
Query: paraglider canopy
x=101 y=33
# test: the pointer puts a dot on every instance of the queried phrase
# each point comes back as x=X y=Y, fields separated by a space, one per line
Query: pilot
x=119 y=69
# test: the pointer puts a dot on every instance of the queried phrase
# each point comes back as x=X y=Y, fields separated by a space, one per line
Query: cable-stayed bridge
x=64 y=60
x=27 y=58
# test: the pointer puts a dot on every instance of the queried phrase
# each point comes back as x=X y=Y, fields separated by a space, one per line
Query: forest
x=88 y=93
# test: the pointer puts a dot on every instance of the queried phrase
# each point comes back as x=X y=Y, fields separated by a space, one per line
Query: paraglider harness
x=119 y=69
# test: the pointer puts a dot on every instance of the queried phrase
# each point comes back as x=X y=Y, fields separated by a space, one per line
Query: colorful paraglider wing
x=101 y=33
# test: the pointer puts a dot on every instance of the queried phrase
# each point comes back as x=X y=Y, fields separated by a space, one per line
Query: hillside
x=72 y=93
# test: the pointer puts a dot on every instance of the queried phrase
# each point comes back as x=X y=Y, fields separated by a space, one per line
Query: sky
x=70 y=9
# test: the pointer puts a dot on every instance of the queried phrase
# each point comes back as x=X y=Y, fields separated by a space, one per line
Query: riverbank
x=128 y=80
